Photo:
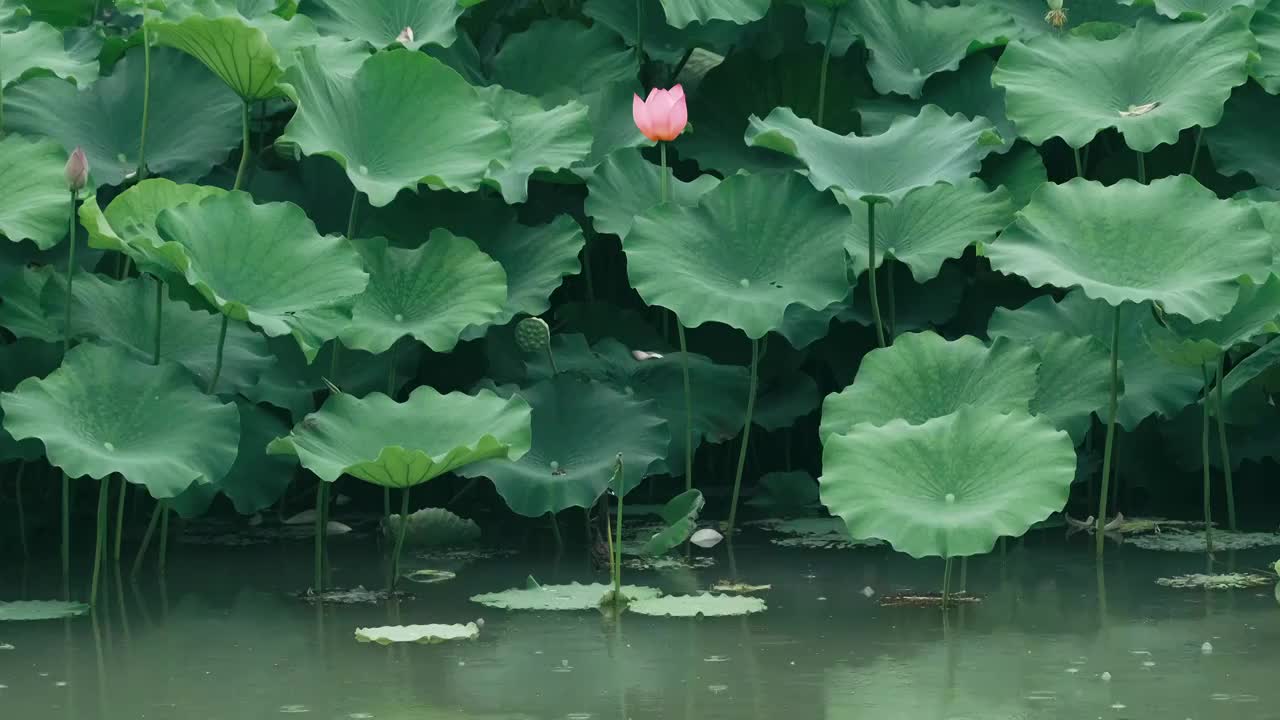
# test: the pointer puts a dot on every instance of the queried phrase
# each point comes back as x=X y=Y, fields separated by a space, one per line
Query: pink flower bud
x=642 y=355
x=661 y=116
x=77 y=169
x=406 y=36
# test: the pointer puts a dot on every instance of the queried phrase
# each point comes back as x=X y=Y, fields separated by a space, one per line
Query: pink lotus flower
x=663 y=115
x=406 y=36
x=77 y=169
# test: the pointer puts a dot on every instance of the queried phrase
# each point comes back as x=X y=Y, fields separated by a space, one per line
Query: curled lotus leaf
x=232 y=47
x=128 y=223
x=381 y=23
x=543 y=139
x=34 y=202
x=681 y=517
x=40 y=48
x=1256 y=312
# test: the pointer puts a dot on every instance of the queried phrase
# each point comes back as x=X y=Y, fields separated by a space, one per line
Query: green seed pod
x=1054 y=4
x=533 y=334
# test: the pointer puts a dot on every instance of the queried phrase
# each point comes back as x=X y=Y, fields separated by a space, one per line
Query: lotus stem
x=71 y=270
x=1226 y=453
x=66 y=530
x=946 y=583
x=322 y=496
x=217 y=366
x=146 y=94
x=1204 y=462
x=663 y=180
x=352 y=214
x=664 y=194
x=22 y=513
x=826 y=61
x=621 y=476
x=1079 y=165
x=146 y=540
x=164 y=538
x=1142 y=168
x=101 y=537
x=1195 y=154
x=244 y=145
x=871 y=272
x=155 y=353
x=555 y=530
x=684 y=60
x=404 y=526
x=1113 y=410
x=891 y=325
x=746 y=435
x=124 y=493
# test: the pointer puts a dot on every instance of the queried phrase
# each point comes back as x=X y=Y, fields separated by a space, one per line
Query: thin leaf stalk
x=217 y=365
x=71 y=272
x=101 y=537
x=946 y=583
x=1204 y=463
x=746 y=435
x=244 y=145
x=322 y=498
x=664 y=196
x=826 y=63
x=146 y=94
x=871 y=274
x=146 y=540
x=1226 y=451
x=1113 y=409
x=404 y=526
x=22 y=512
x=120 y=502
x=620 y=475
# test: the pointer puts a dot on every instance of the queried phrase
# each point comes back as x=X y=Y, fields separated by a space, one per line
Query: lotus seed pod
x=77 y=169
x=533 y=334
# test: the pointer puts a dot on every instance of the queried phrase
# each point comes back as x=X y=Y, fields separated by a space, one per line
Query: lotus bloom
x=663 y=115
x=77 y=169
x=406 y=36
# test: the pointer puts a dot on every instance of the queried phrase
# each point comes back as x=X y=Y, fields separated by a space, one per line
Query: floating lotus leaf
x=106 y=118
x=924 y=376
x=431 y=293
x=380 y=23
x=1152 y=384
x=18 y=361
x=573 y=596
x=400 y=445
x=542 y=139
x=1241 y=143
x=914 y=152
x=234 y=49
x=128 y=223
x=41 y=48
x=626 y=185
x=434 y=527
x=562 y=59
x=429 y=577
x=578 y=430
x=1131 y=242
x=1227 y=581
x=1194 y=9
x=814 y=533
x=1266 y=29
x=420 y=634
x=704 y=605
x=931 y=225
x=908 y=41
x=1149 y=83
x=104 y=412
x=41 y=610
x=34 y=201
x=402 y=120
x=265 y=264
x=950 y=486
x=681 y=516
x=751 y=248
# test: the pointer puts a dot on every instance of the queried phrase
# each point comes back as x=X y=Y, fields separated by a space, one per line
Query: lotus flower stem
x=22 y=513
x=1113 y=409
x=619 y=474
x=217 y=365
x=101 y=537
x=244 y=145
x=146 y=540
x=1226 y=453
x=1142 y=168
x=322 y=497
x=155 y=353
x=1204 y=463
x=146 y=94
x=664 y=190
x=1195 y=156
x=164 y=538
x=746 y=435
x=124 y=493
x=404 y=526
x=664 y=182
x=871 y=272
x=71 y=267
x=826 y=61
x=66 y=530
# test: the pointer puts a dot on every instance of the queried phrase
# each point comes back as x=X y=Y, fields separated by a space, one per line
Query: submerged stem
x=871 y=273
x=1113 y=408
x=244 y=145
x=1195 y=154
x=1204 y=463
x=22 y=513
x=688 y=408
x=66 y=530
x=322 y=498
x=946 y=583
x=746 y=435
x=124 y=493
x=1226 y=453
x=826 y=62
x=217 y=365
x=103 y=493
x=146 y=540
x=404 y=526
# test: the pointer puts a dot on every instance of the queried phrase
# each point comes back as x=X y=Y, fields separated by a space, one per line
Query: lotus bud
x=663 y=115
x=77 y=169
x=533 y=334
x=642 y=355
x=706 y=538
x=406 y=35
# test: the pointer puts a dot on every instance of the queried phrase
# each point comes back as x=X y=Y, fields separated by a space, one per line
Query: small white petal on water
x=1148 y=663
x=60 y=683
x=1118 y=706
x=333 y=527
x=5 y=646
x=715 y=658
x=717 y=689
x=1206 y=648
x=1106 y=677
x=302 y=518
x=1073 y=670
x=867 y=591
x=294 y=709
x=359 y=716
x=706 y=538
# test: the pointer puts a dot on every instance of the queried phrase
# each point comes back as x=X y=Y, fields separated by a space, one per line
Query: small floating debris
x=427 y=576
x=574 y=596
x=294 y=709
x=1227 y=581
x=1105 y=676
x=6 y=646
x=1207 y=648
x=715 y=659
x=726 y=586
x=420 y=634
x=926 y=599
x=668 y=562
x=868 y=592
x=350 y=596
x=1187 y=541
x=717 y=689
x=25 y=610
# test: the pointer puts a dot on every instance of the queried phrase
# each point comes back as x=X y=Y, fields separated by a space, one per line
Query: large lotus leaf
x=1149 y=83
x=626 y=185
x=908 y=41
x=1194 y=9
x=751 y=248
x=578 y=430
x=661 y=41
x=930 y=225
x=40 y=48
x=1031 y=22
x=292 y=383
x=34 y=202
x=128 y=223
x=256 y=480
x=951 y=486
x=573 y=596
x=106 y=118
x=561 y=59
x=123 y=313
x=924 y=376
x=1247 y=371
x=914 y=152
x=542 y=139
x=23 y=311
x=1131 y=242
x=18 y=361
x=682 y=12
x=704 y=605
x=262 y=263
x=379 y=23
x=612 y=125
x=1021 y=171
x=431 y=293
x=916 y=306
x=1257 y=311
x=41 y=610
x=402 y=120
x=681 y=516
x=1074 y=381
x=105 y=412
x=1152 y=384
x=400 y=445
x=1266 y=29
x=231 y=47
x=785 y=399
x=1242 y=142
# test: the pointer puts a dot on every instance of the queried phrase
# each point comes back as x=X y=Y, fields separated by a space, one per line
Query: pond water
x=222 y=639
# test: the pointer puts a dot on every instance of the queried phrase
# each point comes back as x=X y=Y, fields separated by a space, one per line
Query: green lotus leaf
x=1030 y=17
x=41 y=610
x=1241 y=143
x=914 y=152
x=1149 y=83
x=1266 y=30
x=434 y=527
x=1152 y=384
x=786 y=490
x=128 y=223
x=234 y=49
x=909 y=42
x=431 y=293
x=542 y=139
x=785 y=399
x=1074 y=381
x=379 y=23
x=578 y=430
x=1131 y=242
x=106 y=118
x=573 y=596
x=1194 y=9
x=561 y=59
x=1021 y=171
x=704 y=605
x=751 y=248
x=34 y=201
x=1256 y=312
x=950 y=486
x=917 y=306
x=612 y=126
x=402 y=120
x=1249 y=371
x=257 y=480
x=104 y=412
x=400 y=445
x=682 y=12
x=264 y=264
x=23 y=311
x=420 y=634
x=292 y=382
x=41 y=48
x=924 y=376
x=18 y=361
x=661 y=41
x=625 y=185
x=930 y=225
x=681 y=516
